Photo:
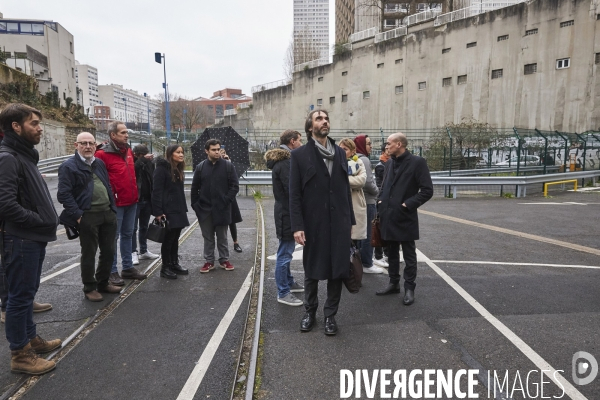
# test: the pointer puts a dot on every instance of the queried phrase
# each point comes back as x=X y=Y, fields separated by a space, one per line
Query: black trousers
x=311 y=296
x=409 y=251
x=233 y=230
x=380 y=251
x=97 y=230
x=169 y=250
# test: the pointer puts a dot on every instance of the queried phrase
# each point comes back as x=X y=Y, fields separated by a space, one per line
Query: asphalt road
x=478 y=289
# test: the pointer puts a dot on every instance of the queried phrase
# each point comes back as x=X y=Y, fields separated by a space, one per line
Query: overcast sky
x=209 y=45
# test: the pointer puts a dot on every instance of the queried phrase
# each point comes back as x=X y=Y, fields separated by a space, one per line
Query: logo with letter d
x=585 y=368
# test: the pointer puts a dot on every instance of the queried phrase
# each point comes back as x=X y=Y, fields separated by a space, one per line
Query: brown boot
x=41 y=307
x=40 y=345
x=26 y=361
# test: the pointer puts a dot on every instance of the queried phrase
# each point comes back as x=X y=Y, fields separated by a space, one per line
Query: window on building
x=73 y=72
x=530 y=69
x=229 y=106
x=597 y=16
x=444 y=51
x=366 y=95
x=71 y=47
x=399 y=61
x=462 y=79
x=20 y=54
x=26 y=28
x=496 y=73
x=531 y=32
x=319 y=102
x=344 y=73
x=597 y=60
x=380 y=65
x=567 y=23
x=320 y=79
x=446 y=82
x=422 y=85
x=219 y=111
x=344 y=98
x=563 y=63
x=503 y=37
x=332 y=100
x=12 y=27
x=472 y=44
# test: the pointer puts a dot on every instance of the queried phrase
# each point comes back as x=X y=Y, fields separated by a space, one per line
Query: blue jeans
x=283 y=276
x=366 y=250
x=142 y=216
x=23 y=261
x=125 y=221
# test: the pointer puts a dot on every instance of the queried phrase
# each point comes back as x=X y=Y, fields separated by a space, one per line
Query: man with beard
x=406 y=186
x=29 y=222
x=321 y=216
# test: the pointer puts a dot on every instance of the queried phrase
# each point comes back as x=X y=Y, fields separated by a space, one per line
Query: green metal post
x=450 y=136
x=518 y=150
x=566 y=149
x=545 y=148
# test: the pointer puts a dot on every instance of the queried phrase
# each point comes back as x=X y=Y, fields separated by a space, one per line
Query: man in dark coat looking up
x=278 y=160
x=144 y=172
x=85 y=193
x=214 y=187
x=322 y=217
x=406 y=186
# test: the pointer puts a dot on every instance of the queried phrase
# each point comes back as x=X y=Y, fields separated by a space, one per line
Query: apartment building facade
x=42 y=49
x=127 y=105
x=86 y=78
x=311 y=23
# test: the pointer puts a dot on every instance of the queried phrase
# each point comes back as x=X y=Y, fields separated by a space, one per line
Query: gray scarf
x=328 y=153
x=285 y=147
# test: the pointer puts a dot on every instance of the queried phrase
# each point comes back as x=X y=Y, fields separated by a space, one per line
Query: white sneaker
x=380 y=263
x=290 y=300
x=373 y=270
x=134 y=258
x=148 y=256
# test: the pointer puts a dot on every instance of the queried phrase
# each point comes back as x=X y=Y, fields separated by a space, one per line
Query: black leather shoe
x=330 y=326
x=409 y=297
x=307 y=323
x=178 y=269
x=166 y=272
x=390 y=289
x=237 y=248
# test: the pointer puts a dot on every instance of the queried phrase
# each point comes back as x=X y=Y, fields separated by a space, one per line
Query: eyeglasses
x=85 y=144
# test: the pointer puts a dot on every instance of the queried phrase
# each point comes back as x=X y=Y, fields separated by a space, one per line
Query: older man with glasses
x=85 y=193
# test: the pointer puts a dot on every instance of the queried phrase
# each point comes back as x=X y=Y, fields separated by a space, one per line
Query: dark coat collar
x=21 y=146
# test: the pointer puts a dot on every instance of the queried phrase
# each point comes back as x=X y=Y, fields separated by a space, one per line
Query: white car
x=525 y=160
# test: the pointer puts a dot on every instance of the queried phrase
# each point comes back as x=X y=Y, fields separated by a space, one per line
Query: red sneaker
x=227 y=266
x=207 y=267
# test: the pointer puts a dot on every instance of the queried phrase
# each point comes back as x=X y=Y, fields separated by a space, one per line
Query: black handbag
x=354 y=280
x=157 y=230
x=72 y=232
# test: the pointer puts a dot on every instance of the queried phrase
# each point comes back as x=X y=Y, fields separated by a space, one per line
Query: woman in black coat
x=168 y=201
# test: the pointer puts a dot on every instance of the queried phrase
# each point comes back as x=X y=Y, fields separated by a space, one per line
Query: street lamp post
x=148 y=106
x=125 y=102
x=159 y=58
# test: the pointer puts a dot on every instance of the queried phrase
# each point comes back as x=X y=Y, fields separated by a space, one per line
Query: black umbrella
x=235 y=146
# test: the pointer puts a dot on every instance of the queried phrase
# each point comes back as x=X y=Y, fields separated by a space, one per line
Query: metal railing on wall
x=388 y=35
x=362 y=35
x=473 y=10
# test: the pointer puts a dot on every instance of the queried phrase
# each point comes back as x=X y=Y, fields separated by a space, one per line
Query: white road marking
x=195 y=379
x=297 y=255
x=62 y=271
x=514 y=263
x=535 y=358
x=542 y=239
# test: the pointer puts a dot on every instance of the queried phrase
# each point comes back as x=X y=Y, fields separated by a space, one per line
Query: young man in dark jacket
x=85 y=193
x=118 y=158
x=144 y=171
x=278 y=161
x=214 y=187
x=29 y=222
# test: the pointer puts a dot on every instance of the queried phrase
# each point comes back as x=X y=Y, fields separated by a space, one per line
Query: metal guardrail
x=421 y=17
x=520 y=182
x=311 y=64
x=227 y=113
x=362 y=35
x=495 y=170
x=51 y=164
x=394 y=33
x=473 y=10
x=270 y=85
